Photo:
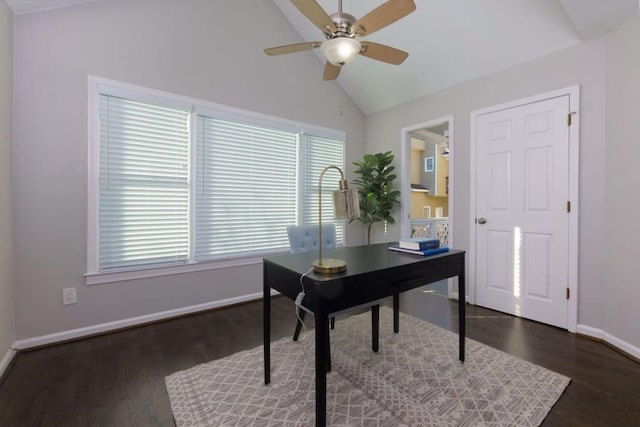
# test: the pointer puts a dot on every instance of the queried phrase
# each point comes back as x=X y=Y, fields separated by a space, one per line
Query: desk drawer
x=387 y=285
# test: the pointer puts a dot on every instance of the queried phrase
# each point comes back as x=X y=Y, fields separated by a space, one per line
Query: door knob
x=482 y=221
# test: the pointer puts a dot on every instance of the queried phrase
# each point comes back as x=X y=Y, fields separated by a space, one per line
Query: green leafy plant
x=375 y=187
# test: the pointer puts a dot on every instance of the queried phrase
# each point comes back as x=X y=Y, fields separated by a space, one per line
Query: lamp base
x=329 y=266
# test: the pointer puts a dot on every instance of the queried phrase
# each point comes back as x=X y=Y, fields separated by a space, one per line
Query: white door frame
x=405 y=175
x=574 y=137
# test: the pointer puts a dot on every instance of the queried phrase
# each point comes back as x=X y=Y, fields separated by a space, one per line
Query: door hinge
x=568 y=206
x=568 y=293
x=569 y=117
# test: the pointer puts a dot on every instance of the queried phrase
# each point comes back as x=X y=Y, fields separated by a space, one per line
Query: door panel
x=500 y=179
x=538 y=179
x=537 y=252
x=522 y=188
x=499 y=260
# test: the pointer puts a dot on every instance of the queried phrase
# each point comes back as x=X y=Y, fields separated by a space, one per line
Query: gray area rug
x=414 y=380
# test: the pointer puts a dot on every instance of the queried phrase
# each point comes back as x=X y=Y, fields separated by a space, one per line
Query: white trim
x=405 y=167
x=590 y=332
x=574 y=197
x=130 y=322
x=6 y=361
x=612 y=340
x=200 y=106
x=119 y=276
x=98 y=85
x=622 y=345
x=93 y=131
x=471 y=253
x=574 y=137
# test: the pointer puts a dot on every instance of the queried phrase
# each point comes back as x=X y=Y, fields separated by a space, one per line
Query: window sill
x=120 y=276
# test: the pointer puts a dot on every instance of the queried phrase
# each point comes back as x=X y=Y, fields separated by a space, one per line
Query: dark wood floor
x=118 y=379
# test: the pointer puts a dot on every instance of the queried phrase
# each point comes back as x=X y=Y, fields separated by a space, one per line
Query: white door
x=522 y=221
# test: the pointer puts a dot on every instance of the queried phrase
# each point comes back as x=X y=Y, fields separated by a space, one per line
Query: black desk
x=373 y=272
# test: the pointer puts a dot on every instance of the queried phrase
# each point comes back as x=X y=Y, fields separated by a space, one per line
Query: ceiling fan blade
x=290 y=48
x=385 y=14
x=383 y=53
x=331 y=72
x=316 y=14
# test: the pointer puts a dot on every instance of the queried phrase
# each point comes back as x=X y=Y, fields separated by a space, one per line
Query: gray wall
x=622 y=202
x=607 y=70
x=584 y=65
x=186 y=48
x=7 y=328
x=211 y=50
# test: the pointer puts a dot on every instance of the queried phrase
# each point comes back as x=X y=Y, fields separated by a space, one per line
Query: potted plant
x=375 y=187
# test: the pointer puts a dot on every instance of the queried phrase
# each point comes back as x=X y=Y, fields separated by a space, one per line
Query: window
x=143 y=184
x=428 y=164
x=176 y=181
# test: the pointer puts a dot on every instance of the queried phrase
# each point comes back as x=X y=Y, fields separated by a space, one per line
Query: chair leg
x=375 y=327
x=296 y=334
x=333 y=322
x=396 y=312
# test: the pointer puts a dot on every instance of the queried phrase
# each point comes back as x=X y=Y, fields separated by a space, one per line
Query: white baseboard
x=609 y=339
x=622 y=345
x=140 y=320
x=6 y=361
x=590 y=332
x=133 y=321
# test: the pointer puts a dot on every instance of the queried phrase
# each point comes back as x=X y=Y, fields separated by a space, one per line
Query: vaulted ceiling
x=449 y=41
x=452 y=41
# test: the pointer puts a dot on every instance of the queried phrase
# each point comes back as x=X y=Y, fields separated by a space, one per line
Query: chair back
x=304 y=238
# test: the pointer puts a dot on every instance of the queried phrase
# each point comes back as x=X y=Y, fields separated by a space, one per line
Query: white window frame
x=429 y=164
x=98 y=85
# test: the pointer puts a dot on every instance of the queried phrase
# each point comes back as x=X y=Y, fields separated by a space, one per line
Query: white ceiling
x=449 y=41
x=452 y=41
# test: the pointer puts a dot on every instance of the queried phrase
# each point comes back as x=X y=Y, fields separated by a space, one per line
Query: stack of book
x=419 y=246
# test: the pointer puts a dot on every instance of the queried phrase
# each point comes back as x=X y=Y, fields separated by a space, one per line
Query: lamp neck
x=343 y=186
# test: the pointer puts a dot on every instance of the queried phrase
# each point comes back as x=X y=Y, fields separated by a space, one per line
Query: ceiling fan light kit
x=341 y=30
x=341 y=50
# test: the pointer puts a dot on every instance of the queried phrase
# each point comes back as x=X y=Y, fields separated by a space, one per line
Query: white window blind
x=245 y=188
x=143 y=184
x=316 y=153
x=180 y=181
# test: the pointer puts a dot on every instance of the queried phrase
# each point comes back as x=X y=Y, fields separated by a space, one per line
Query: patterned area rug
x=414 y=380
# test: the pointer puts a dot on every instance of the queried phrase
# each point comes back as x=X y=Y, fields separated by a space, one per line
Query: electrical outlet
x=69 y=296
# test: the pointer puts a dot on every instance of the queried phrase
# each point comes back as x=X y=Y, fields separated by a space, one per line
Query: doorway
x=427 y=185
x=524 y=208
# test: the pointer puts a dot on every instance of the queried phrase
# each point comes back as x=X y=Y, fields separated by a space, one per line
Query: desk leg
x=396 y=312
x=375 y=327
x=266 y=323
x=462 y=302
x=322 y=331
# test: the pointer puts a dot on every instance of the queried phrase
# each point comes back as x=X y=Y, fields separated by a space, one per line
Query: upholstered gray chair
x=304 y=238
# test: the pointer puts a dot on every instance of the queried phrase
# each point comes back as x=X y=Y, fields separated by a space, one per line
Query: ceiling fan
x=342 y=30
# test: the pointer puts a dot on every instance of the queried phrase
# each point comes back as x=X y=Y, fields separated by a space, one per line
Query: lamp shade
x=340 y=50
x=346 y=203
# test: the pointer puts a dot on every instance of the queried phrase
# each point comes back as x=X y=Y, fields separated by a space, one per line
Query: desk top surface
x=360 y=260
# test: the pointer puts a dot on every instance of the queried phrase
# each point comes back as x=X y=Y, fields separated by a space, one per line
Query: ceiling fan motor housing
x=343 y=22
